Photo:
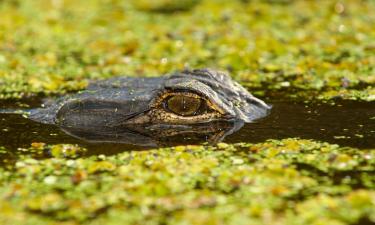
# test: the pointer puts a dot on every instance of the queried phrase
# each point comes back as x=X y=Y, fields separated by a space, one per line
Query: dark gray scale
x=103 y=107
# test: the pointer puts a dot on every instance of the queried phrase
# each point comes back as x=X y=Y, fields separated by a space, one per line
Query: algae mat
x=276 y=182
x=55 y=46
x=310 y=50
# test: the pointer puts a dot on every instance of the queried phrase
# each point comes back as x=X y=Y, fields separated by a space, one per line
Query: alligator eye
x=184 y=105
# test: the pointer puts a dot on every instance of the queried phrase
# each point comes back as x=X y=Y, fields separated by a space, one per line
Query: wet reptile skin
x=141 y=106
x=127 y=100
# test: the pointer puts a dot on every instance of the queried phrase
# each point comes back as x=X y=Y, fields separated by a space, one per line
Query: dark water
x=345 y=123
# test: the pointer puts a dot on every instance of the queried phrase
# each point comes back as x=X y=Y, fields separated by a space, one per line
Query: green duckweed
x=312 y=50
x=288 y=181
x=52 y=47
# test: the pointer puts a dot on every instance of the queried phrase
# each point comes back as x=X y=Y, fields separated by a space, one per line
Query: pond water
x=345 y=123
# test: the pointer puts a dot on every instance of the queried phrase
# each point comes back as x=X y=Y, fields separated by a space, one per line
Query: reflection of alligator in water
x=159 y=135
x=185 y=104
x=347 y=123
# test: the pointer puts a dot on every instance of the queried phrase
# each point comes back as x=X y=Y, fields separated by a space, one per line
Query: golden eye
x=184 y=105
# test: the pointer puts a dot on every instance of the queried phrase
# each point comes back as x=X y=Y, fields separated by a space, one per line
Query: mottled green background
x=322 y=50
x=55 y=46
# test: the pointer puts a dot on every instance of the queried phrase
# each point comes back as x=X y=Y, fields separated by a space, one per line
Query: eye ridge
x=185 y=105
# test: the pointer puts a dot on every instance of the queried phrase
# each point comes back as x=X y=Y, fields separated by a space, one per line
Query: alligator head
x=180 y=100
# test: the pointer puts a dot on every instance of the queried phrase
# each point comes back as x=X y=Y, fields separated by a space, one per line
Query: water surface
x=346 y=123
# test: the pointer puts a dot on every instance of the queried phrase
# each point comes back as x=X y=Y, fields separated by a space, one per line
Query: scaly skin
x=121 y=101
x=199 y=97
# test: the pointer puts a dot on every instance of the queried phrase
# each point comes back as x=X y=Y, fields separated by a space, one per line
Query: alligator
x=200 y=101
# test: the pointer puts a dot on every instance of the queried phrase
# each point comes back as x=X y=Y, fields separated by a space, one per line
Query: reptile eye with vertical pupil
x=184 y=105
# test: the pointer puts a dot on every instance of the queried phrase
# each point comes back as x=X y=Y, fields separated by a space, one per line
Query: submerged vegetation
x=322 y=50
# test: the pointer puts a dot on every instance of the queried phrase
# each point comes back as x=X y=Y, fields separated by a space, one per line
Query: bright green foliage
x=56 y=46
x=277 y=182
